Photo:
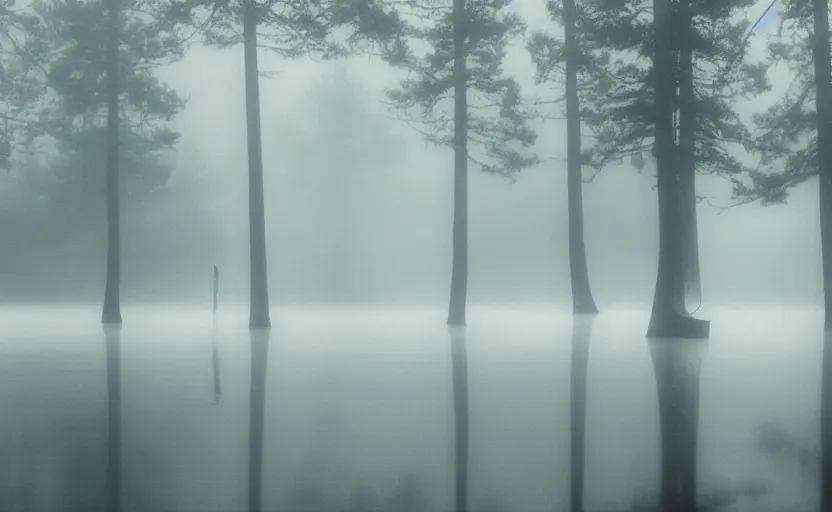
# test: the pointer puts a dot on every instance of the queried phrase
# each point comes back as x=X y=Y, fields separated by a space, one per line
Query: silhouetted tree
x=467 y=41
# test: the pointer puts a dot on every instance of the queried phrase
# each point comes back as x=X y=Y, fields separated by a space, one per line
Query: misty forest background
x=358 y=206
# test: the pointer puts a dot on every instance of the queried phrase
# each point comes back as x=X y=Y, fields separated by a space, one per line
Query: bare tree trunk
x=259 y=312
x=581 y=336
x=459 y=360
x=257 y=406
x=112 y=335
x=666 y=321
x=111 y=313
x=582 y=301
x=691 y=288
x=459 y=271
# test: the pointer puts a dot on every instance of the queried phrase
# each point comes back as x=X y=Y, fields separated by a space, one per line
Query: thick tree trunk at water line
x=826 y=426
x=459 y=376
x=691 y=288
x=459 y=270
x=111 y=313
x=667 y=320
x=582 y=301
x=257 y=406
x=259 y=312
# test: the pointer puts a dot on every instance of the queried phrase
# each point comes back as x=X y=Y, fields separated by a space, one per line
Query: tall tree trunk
x=257 y=406
x=582 y=301
x=111 y=313
x=691 y=289
x=459 y=270
x=677 y=367
x=581 y=335
x=112 y=334
x=459 y=360
x=823 y=92
x=259 y=312
x=666 y=321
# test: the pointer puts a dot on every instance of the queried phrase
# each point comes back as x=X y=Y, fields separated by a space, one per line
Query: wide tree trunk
x=582 y=301
x=257 y=406
x=459 y=375
x=677 y=366
x=823 y=92
x=112 y=334
x=111 y=313
x=667 y=320
x=691 y=289
x=459 y=270
x=581 y=335
x=259 y=312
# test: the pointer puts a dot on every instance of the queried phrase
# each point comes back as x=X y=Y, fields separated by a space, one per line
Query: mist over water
x=359 y=406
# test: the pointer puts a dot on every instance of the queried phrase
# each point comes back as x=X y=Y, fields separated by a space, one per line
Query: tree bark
x=823 y=92
x=111 y=312
x=666 y=320
x=257 y=406
x=691 y=288
x=582 y=301
x=259 y=306
x=459 y=270
x=581 y=335
x=459 y=359
x=112 y=335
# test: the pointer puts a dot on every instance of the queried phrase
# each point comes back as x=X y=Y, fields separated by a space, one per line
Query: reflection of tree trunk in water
x=459 y=361
x=677 y=364
x=826 y=427
x=581 y=334
x=112 y=333
x=257 y=405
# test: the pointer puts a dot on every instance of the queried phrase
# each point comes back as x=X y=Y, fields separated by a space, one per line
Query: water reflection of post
x=257 y=404
x=826 y=426
x=581 y=334
x=677 y=364
x=112 y=335
x=459 y=362
x=215 y=349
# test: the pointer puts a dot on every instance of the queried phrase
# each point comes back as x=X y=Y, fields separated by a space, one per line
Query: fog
x=360 y=397
x=359 y=208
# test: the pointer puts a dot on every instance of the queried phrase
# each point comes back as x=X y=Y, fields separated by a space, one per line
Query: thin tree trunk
x=581 y=336
x=459 y=359
x=666 y=321
x=582 y=301
x=259 y=312
x=459 y=270
x=691 y=288
x=257 y=406
x=112 y=335
x=111 y=313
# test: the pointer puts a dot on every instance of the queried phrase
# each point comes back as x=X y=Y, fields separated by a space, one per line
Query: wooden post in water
x=215 y=351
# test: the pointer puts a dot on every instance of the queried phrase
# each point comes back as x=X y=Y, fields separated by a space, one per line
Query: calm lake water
x=359 y=403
